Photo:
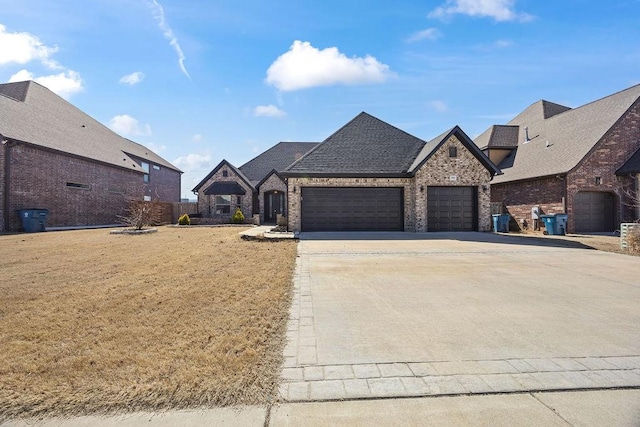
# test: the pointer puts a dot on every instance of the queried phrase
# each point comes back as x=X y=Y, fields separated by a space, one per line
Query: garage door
x=451 y=209
x=352 y=209
x=593 y=211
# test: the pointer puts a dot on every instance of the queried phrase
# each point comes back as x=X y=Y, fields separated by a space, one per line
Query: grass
x=99 y=323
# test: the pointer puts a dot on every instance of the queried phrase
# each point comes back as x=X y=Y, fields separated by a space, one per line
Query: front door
x=273 y=205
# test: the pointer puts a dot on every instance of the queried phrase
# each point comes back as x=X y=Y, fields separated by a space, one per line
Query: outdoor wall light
x=422 y=188
x=294 y=189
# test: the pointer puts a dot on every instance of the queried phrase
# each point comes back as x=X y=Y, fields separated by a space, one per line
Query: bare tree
x=141 y=214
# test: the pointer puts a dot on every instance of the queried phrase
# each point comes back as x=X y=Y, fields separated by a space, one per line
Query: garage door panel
x=352 y=209
x=593 y=211
x=451 y=209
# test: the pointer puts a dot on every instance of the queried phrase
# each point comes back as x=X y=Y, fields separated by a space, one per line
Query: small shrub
x=184 y=220
x=141 y=214
x=282 y=221
x=238 y=217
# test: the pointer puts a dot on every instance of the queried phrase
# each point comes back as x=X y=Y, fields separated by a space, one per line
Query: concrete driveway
x=402 y=314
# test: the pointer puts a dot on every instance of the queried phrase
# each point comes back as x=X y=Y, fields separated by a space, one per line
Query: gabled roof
x=434 y=145
x=235 y=170
x=273 y=172
x=499 y=136
x=632 y=166
x=364 y=146
x=277 y=158
x=33 y=114
x=559 y=140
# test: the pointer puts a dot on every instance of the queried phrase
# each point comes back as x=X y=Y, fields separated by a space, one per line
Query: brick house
x=256 y=187
x=54 y=156
x=581 y=161
x=372 y=176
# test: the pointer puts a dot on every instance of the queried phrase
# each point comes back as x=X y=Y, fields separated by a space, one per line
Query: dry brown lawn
x=98 y=323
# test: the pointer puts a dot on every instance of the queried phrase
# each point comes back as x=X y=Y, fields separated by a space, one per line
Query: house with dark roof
x=56 y=157
x=367 y=176
x=372 y=176
x=581 y=161
x=257 y=187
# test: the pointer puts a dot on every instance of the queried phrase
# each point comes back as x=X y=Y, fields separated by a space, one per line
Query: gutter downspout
x=7 y=178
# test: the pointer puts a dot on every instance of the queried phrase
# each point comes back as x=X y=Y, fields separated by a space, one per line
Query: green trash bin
x=34 y=220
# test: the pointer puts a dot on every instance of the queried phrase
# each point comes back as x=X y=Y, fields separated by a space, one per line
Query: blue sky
x=202 y=81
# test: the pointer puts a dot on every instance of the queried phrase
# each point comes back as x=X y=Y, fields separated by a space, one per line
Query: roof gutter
x=288 y=174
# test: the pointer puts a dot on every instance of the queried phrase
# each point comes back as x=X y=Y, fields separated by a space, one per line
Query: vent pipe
x=526 y=134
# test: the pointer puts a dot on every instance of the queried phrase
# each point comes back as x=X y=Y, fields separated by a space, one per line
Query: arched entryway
x=274 y=204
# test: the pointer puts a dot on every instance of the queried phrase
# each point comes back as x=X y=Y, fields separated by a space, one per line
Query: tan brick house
x=256 y=187
x=372 y=176
x=581 y=161
x=56 y=157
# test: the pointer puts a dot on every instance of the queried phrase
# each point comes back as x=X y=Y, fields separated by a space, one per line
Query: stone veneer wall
x=273 y=183
x=439 y=169
x=207 y=204
x=294 y=203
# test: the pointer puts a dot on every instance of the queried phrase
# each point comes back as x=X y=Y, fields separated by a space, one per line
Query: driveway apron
x=401 y=314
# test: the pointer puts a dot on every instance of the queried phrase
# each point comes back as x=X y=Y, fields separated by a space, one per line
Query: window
x=146 y=198
x=598 y=180
x=78 y=186
x=225 y=173
x=156 y=167
x=223 y=204
x=239 y=200
x=145 y=169
x=453 y=151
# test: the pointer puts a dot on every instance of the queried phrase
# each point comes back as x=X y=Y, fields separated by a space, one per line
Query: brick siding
x=3 y=147
x=207 y=204
x=273 y=183
x=439 y=169
x=163 y=185
x=38 y=179
x=436 y=171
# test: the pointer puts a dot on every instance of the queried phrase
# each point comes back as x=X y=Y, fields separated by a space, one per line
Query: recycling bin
x=561 y=224
x=550 y=222
x=501 y=223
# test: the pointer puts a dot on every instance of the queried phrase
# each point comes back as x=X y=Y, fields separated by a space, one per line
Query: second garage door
x=352 y=209
x=451 y=209
x=593 y=211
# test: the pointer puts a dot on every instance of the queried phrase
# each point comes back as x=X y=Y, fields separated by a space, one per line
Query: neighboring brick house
x=56 y=157
x=371 y=176
x=582 y=161
x=256 y=187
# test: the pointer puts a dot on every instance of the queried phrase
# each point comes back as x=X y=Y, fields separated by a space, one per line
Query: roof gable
x=277 y=158
x=234 y=169
x=631 y=166
x=558 y=143
x=33 y=114
x=365 y=145
x=435 y=144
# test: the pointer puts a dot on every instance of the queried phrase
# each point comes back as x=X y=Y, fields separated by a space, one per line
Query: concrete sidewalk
x=612 y=408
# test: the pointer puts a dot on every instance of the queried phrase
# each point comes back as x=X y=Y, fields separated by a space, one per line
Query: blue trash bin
x=501 y=223
x=561 y=224
x=549 y=224
x=34 y=220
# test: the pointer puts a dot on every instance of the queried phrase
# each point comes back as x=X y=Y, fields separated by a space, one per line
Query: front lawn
x=186 y=317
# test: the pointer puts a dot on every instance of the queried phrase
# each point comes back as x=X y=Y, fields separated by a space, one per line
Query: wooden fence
x=189 y=208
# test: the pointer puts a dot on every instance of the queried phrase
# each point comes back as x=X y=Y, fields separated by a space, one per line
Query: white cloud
x=304 y=66
x=500 y=10
x=426 y=34
x=64 y=84
x=439 y=106
x=268 y=111
x=194 y=161
x=21 y=48
x=127 y=126
x=158 y=14
x=133 y=78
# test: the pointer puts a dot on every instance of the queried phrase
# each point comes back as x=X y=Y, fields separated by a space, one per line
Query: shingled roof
x=277 y=158
x=632 y=166
x=559 y=137
x=364 y=146
x=499 y=136
x=33 y=114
